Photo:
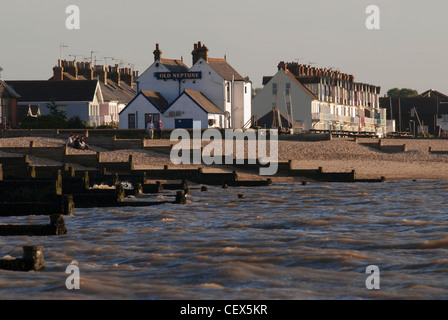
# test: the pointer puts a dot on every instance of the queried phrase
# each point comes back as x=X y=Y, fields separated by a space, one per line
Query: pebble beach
x=337 y=155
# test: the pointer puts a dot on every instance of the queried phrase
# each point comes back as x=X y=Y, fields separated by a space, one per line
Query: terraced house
x=321 y=99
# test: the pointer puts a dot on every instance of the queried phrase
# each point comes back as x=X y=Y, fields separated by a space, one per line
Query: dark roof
x=266 y=79
x=267 y=119
x=44 y=91
x=122 y=93
x=434 y=94
x=174 y=65
x=224 y=69
x=203 y=102
x=10 y=90
x=156 y=99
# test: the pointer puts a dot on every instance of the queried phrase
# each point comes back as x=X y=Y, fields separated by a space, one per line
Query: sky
x=408 y=51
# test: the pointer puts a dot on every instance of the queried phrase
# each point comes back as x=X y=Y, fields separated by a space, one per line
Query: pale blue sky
x=408 y=51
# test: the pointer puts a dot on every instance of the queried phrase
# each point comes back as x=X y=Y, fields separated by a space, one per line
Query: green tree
x=55 y=110
x=402 y=93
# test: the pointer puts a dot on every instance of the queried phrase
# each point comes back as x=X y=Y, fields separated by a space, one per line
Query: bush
x=44 y=122
x=76 y=123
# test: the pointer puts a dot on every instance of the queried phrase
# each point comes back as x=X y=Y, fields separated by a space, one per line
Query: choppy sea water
x=282 y=242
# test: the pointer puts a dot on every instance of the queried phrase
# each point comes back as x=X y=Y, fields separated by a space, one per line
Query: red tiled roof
x=224 y=69
x=156 y=99
x=203 y=101
x=174 y=65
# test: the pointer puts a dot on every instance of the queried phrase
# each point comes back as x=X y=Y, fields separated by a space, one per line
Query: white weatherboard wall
x=169 y=89
x=188 y=109
x=300 y=99
x=211 y=84
x=139 y=106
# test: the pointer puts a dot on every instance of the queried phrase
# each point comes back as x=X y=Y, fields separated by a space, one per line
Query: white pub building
x=211 y=91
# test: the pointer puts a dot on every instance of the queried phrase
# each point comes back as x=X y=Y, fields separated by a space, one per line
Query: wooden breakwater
x=33 y=259
x=381 y=146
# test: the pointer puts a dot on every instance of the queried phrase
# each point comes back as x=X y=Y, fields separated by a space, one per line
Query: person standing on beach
x=150 y=128
x=159 y=129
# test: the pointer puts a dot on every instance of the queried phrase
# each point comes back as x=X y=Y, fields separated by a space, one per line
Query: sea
x=319 y=241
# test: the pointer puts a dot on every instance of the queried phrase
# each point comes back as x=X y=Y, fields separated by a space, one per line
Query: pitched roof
x=174 y=65
x=434 y=94
x=203 y=102
x=293 y=77
x=122 y=93
x=44 y=91
x=156 y=99
x=10 y=90
x=224 y=69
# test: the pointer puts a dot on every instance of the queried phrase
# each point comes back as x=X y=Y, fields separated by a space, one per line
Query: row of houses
x=212 y=92
x=95 y=95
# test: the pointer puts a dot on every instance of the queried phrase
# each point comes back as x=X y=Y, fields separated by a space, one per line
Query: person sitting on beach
x=71 y=140
x=77 y=143
x=83 y=145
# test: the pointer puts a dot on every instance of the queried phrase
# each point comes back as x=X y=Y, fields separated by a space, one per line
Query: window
x=288 y=87
x=274 y=88
x=155 y=117
x=131 y=121
x=228 y=92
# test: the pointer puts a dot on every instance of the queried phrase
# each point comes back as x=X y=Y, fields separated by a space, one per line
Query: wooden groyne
x=32 y=260
x=386 y=148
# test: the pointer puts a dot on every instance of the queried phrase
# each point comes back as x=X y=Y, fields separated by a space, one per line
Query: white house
x=146 y=106
x=321 y=99
x=193 y=106
x=211 y=91
x=77 y=98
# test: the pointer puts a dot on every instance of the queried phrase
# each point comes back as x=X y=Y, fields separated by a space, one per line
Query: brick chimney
x=71 y=68
x=127 y=76
x=85 y=69
x=282 y=65
x=200 y=51
x=58 y=72
x=114 y=74
x=100 y=73
x=157 y=53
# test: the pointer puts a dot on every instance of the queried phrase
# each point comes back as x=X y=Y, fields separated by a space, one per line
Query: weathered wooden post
x=30 y=152
x=353 y=175
x=138 y=189
x=430 y=150
x=180 y=197
x=405 y=148
x=33 y=257
x=57 y=223
x=131 y=162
